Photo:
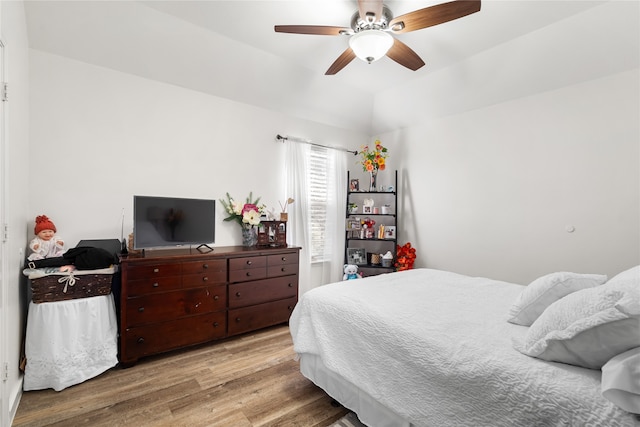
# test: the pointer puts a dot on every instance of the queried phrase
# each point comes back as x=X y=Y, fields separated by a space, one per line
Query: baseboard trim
x=16 y=401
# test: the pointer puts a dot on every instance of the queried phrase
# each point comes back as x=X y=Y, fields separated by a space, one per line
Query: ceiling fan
x=373 y=24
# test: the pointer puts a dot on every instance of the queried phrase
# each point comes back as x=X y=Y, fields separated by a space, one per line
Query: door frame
x=4 y=360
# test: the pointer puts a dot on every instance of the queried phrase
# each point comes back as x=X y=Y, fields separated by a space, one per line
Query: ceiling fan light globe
x=371 y=45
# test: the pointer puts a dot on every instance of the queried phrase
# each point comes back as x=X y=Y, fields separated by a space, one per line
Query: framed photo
x=357 y=256
x=353 y=224
x=390 y=232
x=354 y=185
x=367 y=209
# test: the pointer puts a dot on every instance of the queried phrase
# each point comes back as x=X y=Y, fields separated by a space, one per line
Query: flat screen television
x=161 y=222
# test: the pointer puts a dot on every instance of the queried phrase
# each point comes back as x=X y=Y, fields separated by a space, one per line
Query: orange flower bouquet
x=373 y=159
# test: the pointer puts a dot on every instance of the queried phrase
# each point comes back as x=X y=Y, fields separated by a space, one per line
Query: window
x=318 y=177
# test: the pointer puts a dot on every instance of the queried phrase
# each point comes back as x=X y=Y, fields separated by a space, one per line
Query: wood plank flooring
x=247 y=381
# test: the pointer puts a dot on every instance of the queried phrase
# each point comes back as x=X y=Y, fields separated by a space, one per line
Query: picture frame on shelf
x=353 y=224
x=353 y=227
x=367 y=209
x=390 y=232
x=357 y=256
x=354 y=185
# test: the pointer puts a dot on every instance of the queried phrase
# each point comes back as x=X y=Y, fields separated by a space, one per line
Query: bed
x=427 y=347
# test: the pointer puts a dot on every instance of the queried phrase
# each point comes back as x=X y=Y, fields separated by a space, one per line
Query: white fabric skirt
x=68 y=342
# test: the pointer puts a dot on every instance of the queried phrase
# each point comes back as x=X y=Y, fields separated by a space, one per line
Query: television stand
x=204 y=248
x=175 y=299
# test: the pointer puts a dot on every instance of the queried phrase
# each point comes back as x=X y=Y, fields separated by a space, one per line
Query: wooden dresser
x=171 y=299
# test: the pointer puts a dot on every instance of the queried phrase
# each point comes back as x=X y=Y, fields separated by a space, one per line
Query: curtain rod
x=305 y=141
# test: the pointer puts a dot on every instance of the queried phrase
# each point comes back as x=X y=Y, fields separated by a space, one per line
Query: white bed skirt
x=68 y=342
x=369 y=411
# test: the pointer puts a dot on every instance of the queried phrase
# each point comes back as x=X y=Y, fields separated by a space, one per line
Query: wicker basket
x=65 y=287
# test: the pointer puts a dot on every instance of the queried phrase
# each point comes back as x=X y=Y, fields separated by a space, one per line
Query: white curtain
x=298 y=227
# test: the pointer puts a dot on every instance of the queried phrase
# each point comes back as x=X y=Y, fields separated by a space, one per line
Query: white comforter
x=435 y=347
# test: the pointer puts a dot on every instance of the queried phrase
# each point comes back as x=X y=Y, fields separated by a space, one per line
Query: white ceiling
x=252 y=22
x=229 y=48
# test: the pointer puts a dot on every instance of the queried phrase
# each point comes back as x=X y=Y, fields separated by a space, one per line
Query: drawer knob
x=284 y=258
x=140 y=340
x=291 y=285
x=205 y=266
x=249 y=262
x=283 y=269
x=216 y=297
x=248 y=273
x=155 y=285
x=156 y=270
x=238 y=294
x=237 y=319
x=205 y=278
x=290 y=308
x=141 y=309
x=216 y=324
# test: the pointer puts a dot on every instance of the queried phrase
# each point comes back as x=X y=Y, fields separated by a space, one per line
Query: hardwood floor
x=251 y=380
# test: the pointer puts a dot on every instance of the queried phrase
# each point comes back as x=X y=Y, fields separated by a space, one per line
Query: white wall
x=491 y=192
x=13 y=33
x=99 y=136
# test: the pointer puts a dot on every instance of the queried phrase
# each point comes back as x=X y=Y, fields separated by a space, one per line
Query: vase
x=249 y=236
x=373 y=181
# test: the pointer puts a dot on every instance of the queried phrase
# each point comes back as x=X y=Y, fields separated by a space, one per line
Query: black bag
x=89 y=258
x=83 y=257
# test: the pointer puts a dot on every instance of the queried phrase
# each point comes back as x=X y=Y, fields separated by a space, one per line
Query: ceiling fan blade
x=342 y=61
x=433 y=15
x=322 y=30
x=370 y=10
x=404 y=55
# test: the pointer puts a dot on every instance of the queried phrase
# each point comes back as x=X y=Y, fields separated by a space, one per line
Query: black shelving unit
x=356 y=240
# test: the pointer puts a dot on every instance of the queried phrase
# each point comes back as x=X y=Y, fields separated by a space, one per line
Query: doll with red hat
x=46 y=244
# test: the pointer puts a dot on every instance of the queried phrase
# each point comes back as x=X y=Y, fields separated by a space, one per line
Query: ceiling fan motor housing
x=358 y=24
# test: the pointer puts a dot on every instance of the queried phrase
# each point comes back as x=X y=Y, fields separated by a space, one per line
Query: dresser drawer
x=153 y=285
x=248 y=274
x=171 y=305
x=260 y=291
x=282 y=270
x=282 y=259
x=149 y=271
x=150 y=339
x=211 y=267
x=203 y=279
x=247 y=262
x=260 y=316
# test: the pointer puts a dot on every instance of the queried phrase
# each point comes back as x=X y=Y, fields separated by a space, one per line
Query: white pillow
x=621 y=380
x=632 y=274
x=545 y=290
x=587 y=327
